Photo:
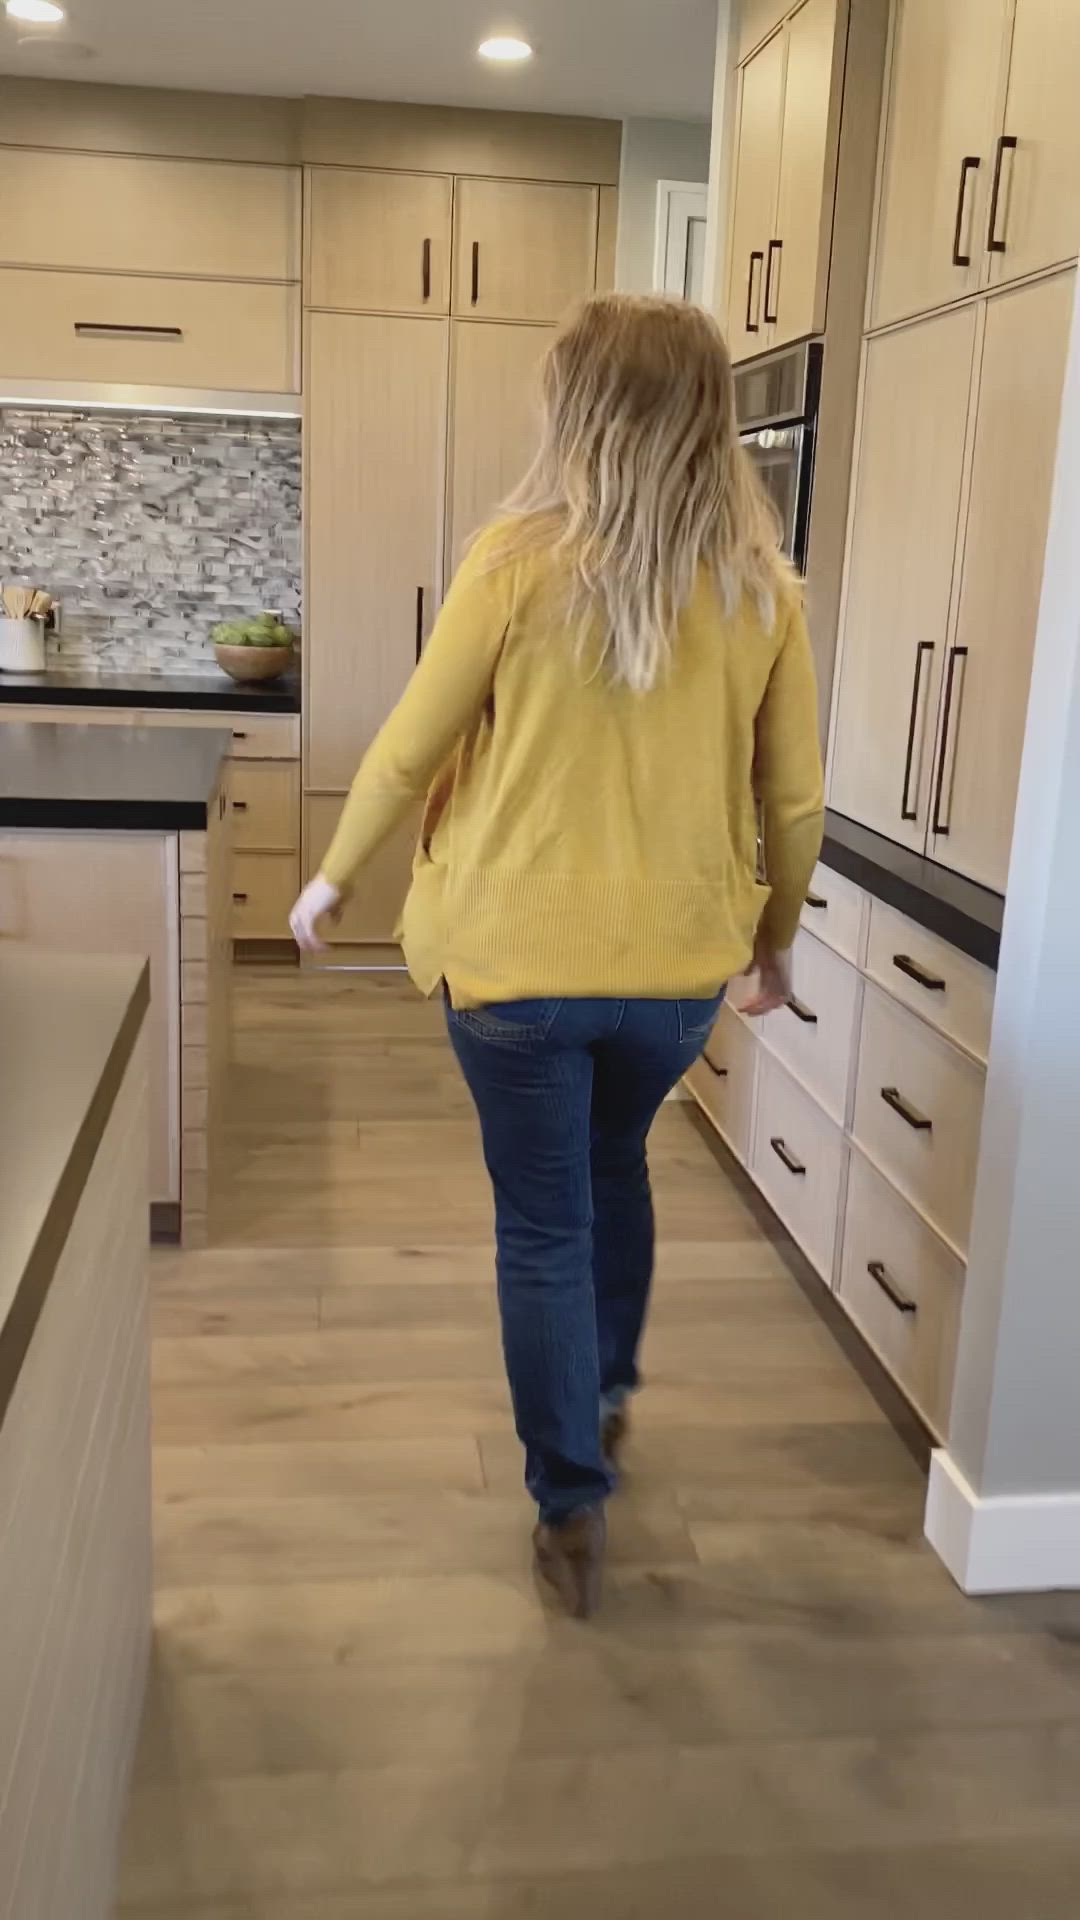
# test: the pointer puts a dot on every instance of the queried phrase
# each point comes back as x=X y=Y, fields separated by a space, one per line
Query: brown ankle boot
x=571 y=1558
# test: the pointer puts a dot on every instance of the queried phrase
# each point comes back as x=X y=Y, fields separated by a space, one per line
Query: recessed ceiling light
x=506 y=48
x=43 y=12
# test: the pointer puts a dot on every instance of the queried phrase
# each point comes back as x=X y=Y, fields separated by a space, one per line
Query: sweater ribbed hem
x=495 y=935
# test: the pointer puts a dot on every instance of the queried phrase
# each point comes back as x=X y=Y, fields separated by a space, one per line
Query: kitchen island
x=75 y=1537
x=116 y=840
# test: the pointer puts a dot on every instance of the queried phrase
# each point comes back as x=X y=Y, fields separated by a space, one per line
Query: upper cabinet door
x=1037 y=220
x=494 y=421
x=379 y=241
x=989 y=669
x=942 y=119
x=796 y=275
x=753 y=213
x=522 y=251
x=901 y=552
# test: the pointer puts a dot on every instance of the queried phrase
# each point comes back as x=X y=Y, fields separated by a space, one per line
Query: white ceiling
x=608 y=57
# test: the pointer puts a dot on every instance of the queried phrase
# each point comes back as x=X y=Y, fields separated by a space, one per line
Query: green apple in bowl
x=255 y=649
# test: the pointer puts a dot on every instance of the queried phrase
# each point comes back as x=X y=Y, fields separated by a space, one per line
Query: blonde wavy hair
x=640 y=480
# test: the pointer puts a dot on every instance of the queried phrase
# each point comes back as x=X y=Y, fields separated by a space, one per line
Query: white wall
x=652 y=150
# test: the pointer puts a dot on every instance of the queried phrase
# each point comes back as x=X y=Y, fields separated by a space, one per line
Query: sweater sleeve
x=789 y=781
x=443 y=698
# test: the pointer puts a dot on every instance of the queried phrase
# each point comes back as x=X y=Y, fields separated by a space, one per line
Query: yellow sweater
x=581 y=839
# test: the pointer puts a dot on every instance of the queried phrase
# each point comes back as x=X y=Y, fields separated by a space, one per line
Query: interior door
x=494 y=412
x=1038 y=213
x=989 y=666
x=901 y=550
x=375 y=438
x=681 y=220
x=523 y=250
x=796 y=275
x=757 y=166
x=943 y=112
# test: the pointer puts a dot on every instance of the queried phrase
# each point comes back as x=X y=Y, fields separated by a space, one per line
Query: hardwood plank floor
x=362 y=1709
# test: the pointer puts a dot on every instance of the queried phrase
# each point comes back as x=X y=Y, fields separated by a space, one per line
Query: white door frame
x=677 y=203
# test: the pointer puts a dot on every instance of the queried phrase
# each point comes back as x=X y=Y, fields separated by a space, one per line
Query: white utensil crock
x=22 y=646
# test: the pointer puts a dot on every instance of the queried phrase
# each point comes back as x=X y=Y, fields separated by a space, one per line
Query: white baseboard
x=1010 y=1543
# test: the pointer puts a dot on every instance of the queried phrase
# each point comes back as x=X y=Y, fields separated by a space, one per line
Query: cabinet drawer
x=255 y=736
x=903 y=1289
x=71 y=716
x=138 y=331
x=815 y=1033
x=722 y=1081
x=113 y=214
x=918 y=1112
x=835 y=911
x=264 y=888
x=798 y=1161
x=266 y=806
x=952 y=991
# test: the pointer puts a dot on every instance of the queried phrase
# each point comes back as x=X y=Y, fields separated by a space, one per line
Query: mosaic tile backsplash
x=149 y=529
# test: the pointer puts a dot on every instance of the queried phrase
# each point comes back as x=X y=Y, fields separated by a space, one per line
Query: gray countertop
x=68 y=1025
x=126 y=778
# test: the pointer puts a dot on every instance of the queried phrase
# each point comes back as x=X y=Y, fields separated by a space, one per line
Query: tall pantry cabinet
x=430 y=301
x=968 y=314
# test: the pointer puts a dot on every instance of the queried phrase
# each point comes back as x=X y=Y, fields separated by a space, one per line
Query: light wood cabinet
x=372 y=911
x=376 y=428
x=522 y=250
x=264 y=888
x=724 y=1080
x=797 y=1159
x=814 y=1035
x=108 y=213
x=947 y=988
x=1039 y=199
x=901 y=552
x=494 y=420
x=803 y=233
x=981 y=731
x=379 y=241
x=137 y=330
x=753 y=211
x=941 y=117
x=265 y=803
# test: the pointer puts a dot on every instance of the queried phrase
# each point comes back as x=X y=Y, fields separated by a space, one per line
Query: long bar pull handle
x=802 y=1012
x=933 y=982
x=776 y=248
x=752 y=326
x=901 y=1301
x=941 y=826
x=908 y=812
x=893 y=1098
x=475 y=272
x=126 y=329
x=784 y=1153
x=419 y=623
x=1006 y=144
x=720 y=1072
x=969 y=164
x=819 y=905
x=425 y=271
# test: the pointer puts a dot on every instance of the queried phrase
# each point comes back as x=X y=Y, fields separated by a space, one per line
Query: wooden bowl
x=254 y=663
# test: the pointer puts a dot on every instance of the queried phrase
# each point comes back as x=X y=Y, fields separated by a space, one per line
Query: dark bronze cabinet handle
x=783 y=1152
x=776 y=248
x=239 y=806
x=419 y=623
x=933 y=982
x=893 y=1098
x=752 y=326
x=969 y=164
x=877 y=1271
x=819 y=905
x=425 y=274
x=941 y=826
x=475 y=271
x=112 y=327
x=720 y=1072
x=1006 y=144
x=908 y=812
x=239 y=734
x=802 y=1012
x=239 y=898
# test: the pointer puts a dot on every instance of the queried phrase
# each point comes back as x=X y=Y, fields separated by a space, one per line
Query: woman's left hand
x=319 y=898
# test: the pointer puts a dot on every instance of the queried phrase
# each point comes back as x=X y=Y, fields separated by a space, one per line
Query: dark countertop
x=109 y=778
x=68 y=1025
x=969 y=917
x=210 y=692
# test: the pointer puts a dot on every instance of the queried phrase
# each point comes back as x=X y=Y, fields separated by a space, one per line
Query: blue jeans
x=566 y=1091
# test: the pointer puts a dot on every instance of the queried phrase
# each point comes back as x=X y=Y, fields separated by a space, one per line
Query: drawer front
x=835 y=910
x=953 y=992
x=255 y=736
x=723 y=1081
x=264 y=888
x=137 y=331
x=918 y=1111
x=798 y=1160
x=72 y=716
x=266 y=806
x=814 y=1034
x=903 y=1289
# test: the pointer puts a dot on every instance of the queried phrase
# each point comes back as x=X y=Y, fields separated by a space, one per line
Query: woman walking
x=619 y=679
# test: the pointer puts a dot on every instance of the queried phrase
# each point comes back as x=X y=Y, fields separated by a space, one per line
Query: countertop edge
x=32 y=1291
x=55 y=689
x=878 y=866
